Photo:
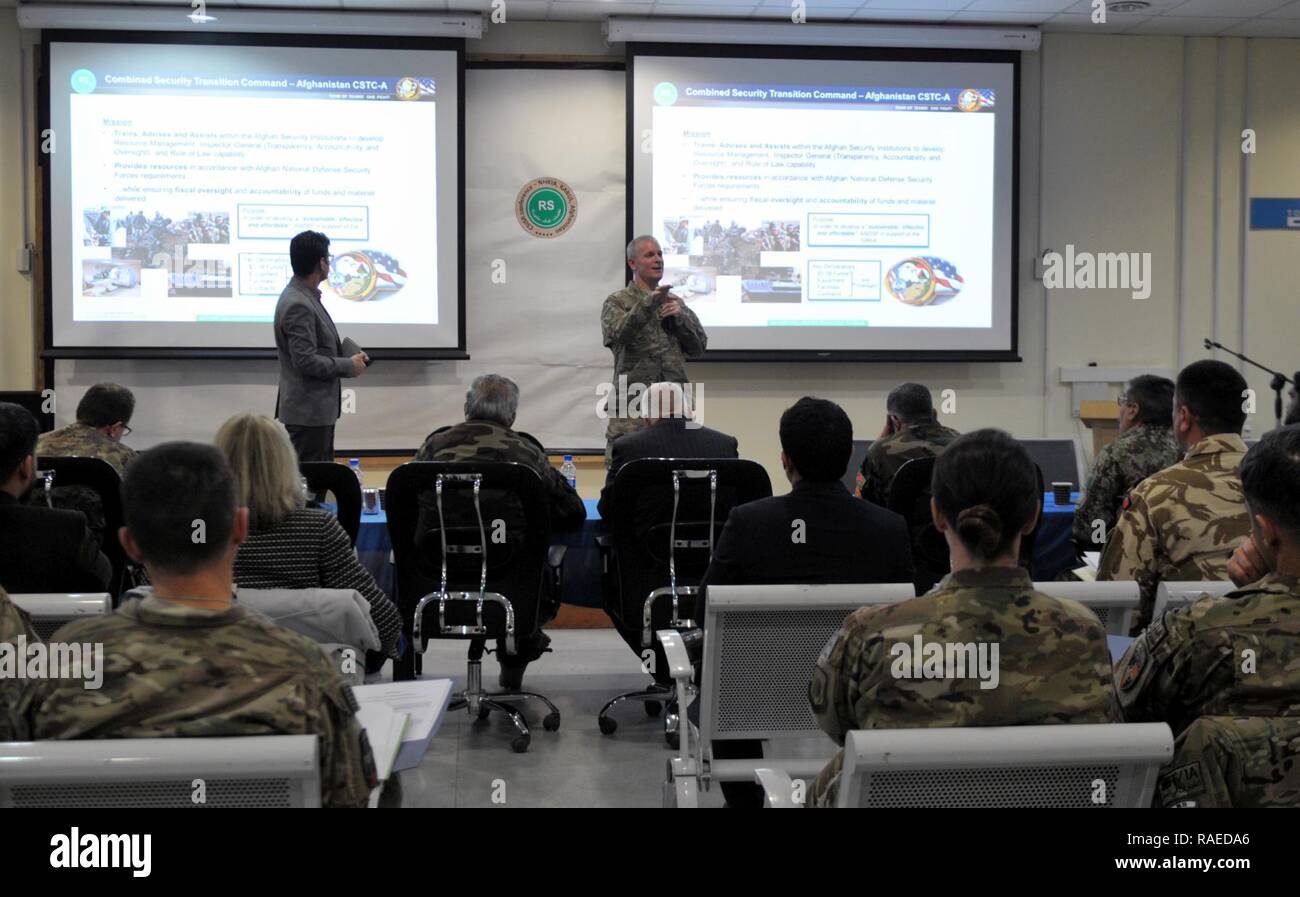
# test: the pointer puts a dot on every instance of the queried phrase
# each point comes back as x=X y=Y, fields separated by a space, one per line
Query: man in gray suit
x=311 y=355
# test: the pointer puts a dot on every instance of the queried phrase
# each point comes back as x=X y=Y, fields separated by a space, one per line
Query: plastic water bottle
x=355 y=464
x=570 y=472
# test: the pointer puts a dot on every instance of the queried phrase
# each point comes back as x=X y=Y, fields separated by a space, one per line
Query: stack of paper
x=422 y=703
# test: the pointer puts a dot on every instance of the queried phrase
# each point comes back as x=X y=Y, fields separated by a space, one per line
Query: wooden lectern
x=1101 y=417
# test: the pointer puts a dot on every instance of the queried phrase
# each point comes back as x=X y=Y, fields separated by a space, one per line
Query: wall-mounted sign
x=1274 y=214
x=546 y=207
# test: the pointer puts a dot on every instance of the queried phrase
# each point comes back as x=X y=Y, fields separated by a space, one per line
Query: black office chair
x=478 y=566
x=330 y=476
x=909 y=495
x=92 y=486
x=666 y=517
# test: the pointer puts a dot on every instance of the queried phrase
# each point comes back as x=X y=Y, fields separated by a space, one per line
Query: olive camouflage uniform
x=1234 y=761
x=79 y=440
x=174 y=671
x=14 y=622
x=924 y=440
x=1053 y=663
x=1181 y=523
x=646 y=351
x=1135 y=454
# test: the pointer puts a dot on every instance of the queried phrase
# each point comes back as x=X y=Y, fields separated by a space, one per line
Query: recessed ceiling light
x=200 y=18
x=1127 y=6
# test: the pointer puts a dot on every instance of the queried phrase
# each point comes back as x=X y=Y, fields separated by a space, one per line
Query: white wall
x=1138 y=150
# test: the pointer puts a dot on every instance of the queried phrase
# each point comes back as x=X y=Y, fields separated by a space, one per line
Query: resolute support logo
x=78 y=851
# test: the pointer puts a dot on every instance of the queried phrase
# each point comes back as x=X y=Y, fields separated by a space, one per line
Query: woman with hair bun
x=982 y=648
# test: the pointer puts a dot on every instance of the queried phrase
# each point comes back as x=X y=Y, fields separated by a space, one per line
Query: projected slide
x=836 y=214
x=186 y=183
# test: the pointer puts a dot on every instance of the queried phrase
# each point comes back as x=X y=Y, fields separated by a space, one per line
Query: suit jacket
x=844 y=540
x=46 y=550
x=667 y=438
x=311 y=359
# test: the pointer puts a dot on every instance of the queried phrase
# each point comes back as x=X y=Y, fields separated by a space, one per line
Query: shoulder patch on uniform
x=1157 y=631
x=1127 y=502
x=1176 y=785
x=1133 y=672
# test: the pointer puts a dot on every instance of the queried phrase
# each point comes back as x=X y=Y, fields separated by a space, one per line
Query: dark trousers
x=312 y=443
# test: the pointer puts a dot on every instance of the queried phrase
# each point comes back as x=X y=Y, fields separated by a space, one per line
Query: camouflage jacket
x=14 y=622
x=481 y=440
x=171 y=671
x=1052 y=665
x=1225 y=761
x=1233 y=656
x=887 y=455
x=1134 y=455
x=80 y=441
x=1181 y=523
x=645 y=351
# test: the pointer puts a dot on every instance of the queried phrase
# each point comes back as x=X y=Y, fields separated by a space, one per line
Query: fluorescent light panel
x=730 y=31
x=265 y=21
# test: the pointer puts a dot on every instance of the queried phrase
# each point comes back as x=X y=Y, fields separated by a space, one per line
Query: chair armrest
x=555 y=555
x=679 y=661
x=778 y=789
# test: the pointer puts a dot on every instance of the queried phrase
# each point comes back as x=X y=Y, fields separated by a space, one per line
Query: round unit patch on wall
x=546 y=207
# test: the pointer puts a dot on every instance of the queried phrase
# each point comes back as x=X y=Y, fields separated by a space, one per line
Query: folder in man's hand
x=351 y=348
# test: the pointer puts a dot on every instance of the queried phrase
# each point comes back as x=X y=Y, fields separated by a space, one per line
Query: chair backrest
x=36 y=403
x=101 y=478
x=850 y=478
x=330 y=476
x=328 y=616
x=652 y=540
x=1101 y=765
x=50 y=610
x=1114 y=603
x=1170 y=595
x=512 y=544
x=909 y=495
x=761 y=644
x=1060 y=460
x=248 y=771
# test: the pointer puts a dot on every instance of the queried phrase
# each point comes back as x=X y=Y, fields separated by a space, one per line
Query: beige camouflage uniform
x=1054 y=664
x=925 y=440
x=14 y=622
x=1180 y=524
x=644 y=351
x=172 y=671
x=1135 y=454
x=1233 y=761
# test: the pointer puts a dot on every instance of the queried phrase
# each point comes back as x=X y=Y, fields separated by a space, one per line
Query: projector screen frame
x=850 y=54
x=218 y=38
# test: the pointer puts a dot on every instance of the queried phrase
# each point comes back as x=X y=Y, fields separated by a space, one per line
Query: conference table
x=1053 y=552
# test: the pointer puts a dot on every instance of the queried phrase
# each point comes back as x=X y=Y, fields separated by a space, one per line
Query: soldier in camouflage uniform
x=1235 y=656
x=1234 y=761
x=1183 y=522
x=14 y=622
x=181 y=659
x=911 y=431
x=650 y=331
x=103 y=415
x=1145 y=445
x=1053 y=659
x=490 y=408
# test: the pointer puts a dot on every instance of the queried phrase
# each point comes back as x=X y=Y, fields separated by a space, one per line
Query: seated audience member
x=486 y=435
x=14 y=624
x=185 y=660
x=289 y=545
x=41 y=549
x=1192 y=662
x=817 y=533
x=1144 y=446
x=103 y=415
x=1052 y=663
x=912 y=430
x=1183 y=522
x=669 y=432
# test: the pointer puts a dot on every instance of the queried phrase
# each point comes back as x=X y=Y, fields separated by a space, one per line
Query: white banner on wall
x=532 y=304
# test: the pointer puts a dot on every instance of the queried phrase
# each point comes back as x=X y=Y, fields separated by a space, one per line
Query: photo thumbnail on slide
x=190 y=186
x=827 y=205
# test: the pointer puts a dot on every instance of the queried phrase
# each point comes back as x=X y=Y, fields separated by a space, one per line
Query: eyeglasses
x=126 y=431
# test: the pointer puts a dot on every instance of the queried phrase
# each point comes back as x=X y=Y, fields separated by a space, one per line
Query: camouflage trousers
x=825 y=788
x=1225 y=761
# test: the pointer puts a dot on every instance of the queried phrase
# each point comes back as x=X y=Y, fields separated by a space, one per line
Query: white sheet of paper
x=1092 y=559
x=424 y=701
x=384 y=728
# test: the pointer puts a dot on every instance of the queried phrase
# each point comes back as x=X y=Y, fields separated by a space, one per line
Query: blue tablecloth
x=1053 y=552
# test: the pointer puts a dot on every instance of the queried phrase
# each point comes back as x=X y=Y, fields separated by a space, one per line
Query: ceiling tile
x=902 y=15
x=1182 y=25
x=1290 y=11
x=1265 y=28
x=904 y=5
x=1080 y=22
x=1001 y=18
x=1230 y=9
x=1023 y=6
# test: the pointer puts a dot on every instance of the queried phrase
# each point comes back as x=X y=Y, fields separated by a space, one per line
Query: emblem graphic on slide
x=546 y=207
x=408 y=89
x=365 y=275
x=921 y=280
x=972 y=100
